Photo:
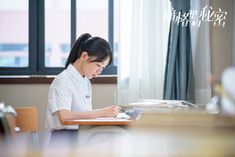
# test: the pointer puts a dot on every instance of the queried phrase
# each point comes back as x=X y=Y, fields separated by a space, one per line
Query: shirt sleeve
x=60 y=97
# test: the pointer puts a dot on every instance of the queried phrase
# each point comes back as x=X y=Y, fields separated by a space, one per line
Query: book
x=152 y=103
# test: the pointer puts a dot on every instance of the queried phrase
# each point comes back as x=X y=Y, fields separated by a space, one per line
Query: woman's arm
x=65 y=115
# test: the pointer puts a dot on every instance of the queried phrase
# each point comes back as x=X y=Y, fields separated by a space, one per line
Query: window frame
x=36 y=13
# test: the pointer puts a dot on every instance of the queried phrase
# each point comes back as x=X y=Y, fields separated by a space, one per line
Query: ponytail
x=95 y=47
x=76 y=52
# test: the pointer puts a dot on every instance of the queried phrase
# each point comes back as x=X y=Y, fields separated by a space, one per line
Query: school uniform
x=71 y=91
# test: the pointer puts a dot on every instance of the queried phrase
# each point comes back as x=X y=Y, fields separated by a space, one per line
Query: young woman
x=69 y=95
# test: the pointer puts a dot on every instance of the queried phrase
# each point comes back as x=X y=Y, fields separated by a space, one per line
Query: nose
x=99 y=71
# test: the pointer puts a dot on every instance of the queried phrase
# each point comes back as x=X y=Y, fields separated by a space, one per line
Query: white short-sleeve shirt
x=70 y=91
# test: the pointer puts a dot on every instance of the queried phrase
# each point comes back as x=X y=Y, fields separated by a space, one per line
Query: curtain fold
x=143 y=43
x=179 y=79
x=200 y=37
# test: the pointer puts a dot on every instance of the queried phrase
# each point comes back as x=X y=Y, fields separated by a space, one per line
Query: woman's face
x=93 y=69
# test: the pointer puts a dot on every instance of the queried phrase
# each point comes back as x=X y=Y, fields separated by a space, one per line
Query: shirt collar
x=75 y=73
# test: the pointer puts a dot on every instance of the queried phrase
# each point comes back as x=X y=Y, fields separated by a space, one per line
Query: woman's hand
x=110 y=111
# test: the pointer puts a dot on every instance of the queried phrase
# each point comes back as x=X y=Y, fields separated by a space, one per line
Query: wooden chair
x=27 y=121
x=7 y=124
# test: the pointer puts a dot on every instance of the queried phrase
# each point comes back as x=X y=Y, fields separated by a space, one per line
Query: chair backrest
x=5 y=130
x=27 y=119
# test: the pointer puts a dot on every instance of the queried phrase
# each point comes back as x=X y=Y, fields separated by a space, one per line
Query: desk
x=96 y=131
x=98 y=122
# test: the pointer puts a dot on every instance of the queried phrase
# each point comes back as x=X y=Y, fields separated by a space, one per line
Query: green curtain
x=179 y=79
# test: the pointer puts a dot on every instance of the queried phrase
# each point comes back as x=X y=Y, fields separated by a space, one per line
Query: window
x=57 y=31
x=92 y=14
x=116 y=32
x=37 y=35
x=14 y=33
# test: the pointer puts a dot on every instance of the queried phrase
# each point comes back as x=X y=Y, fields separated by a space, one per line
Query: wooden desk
x=96 y=130
x=98 y=122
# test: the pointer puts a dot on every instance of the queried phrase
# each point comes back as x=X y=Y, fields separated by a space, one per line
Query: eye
x=98 y=65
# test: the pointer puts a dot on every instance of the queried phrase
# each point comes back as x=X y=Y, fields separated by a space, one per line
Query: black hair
x=94 y=46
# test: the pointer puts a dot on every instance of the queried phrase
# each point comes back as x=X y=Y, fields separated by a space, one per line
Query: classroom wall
x=36 y=95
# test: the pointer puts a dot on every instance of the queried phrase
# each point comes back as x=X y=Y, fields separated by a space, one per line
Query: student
x=69 y=95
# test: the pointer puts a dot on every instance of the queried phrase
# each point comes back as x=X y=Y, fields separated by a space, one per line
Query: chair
x=7 y=124
x=27 y=121
x=5 y=130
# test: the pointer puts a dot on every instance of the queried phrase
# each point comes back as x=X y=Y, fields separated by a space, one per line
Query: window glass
x=92 y=17
x=14 y=33
x=116 y=28
x=57 y=32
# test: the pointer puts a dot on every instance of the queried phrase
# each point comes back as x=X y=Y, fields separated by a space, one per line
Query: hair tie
x=90 y=38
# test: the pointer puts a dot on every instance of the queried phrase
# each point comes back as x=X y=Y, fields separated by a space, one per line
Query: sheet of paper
x=103 y=120
x=119 y=116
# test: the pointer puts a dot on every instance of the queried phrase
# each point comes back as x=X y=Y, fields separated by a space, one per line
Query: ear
x=84 y=55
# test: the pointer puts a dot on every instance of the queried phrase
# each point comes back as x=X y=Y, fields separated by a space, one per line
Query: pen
x=122 y=110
